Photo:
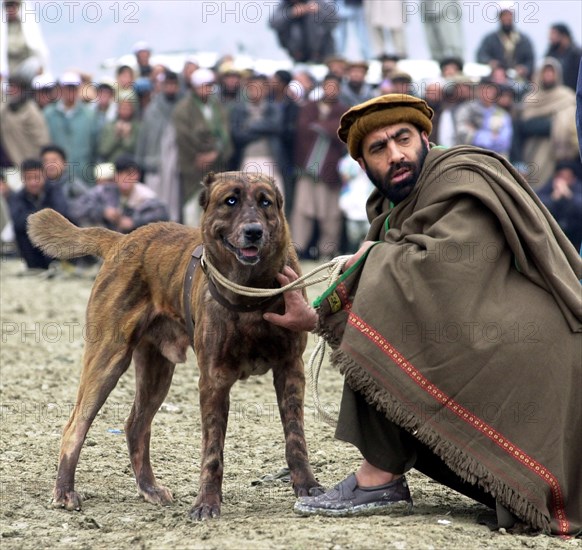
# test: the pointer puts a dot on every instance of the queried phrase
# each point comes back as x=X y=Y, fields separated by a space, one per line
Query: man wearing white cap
x=143 y=52
x=202 y=138
x=71 y=126
x=43 y=87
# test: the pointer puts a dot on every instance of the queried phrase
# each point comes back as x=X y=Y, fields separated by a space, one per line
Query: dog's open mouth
x=248 y=255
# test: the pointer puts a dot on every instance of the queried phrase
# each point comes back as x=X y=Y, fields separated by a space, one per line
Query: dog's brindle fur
x=136 y=303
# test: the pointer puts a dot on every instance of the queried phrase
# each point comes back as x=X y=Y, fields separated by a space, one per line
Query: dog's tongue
x=249 y=252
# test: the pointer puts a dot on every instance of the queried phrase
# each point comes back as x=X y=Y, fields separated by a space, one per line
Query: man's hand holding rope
x=299 y=315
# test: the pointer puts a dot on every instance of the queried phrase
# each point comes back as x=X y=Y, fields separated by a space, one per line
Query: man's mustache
x=397 y=167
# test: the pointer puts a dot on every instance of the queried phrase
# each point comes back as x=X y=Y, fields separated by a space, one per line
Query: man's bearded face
x=393 y=158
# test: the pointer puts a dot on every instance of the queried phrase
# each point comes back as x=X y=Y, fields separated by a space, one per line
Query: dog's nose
x=253 y=232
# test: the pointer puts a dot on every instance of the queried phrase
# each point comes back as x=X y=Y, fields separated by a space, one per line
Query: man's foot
x=347 y=499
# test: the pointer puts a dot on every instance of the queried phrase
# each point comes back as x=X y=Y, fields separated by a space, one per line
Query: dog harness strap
x=187 y=294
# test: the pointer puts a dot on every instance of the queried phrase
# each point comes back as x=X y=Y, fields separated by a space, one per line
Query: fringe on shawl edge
x=466 y=467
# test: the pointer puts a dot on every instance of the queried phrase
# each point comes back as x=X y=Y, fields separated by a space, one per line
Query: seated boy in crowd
x=57 y=173
x=125 y=204
x=35 y=195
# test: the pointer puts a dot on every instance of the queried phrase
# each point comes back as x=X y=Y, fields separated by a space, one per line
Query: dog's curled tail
x=58 y=238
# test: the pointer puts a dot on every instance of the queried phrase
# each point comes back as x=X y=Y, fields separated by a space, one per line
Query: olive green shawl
x=463 y=324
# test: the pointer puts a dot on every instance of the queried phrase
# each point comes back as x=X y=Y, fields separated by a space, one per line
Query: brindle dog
x=136 y=302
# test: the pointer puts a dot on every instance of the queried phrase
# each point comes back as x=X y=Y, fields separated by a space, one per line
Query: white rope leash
x=318 y=354
x=335 y=268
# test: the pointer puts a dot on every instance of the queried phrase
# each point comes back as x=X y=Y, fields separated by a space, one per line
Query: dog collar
x=214 y=292
x=187 y=292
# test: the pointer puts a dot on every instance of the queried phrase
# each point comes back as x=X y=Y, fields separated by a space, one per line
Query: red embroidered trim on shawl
x=512 y=450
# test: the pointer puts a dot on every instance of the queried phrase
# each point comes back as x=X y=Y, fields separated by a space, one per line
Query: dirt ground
x=43 y=330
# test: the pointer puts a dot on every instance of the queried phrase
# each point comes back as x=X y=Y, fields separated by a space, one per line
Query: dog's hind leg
x=289 y=383
x=153 y=374
x=102 y=368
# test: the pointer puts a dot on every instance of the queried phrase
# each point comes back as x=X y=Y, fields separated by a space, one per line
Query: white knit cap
x=142 y=45
x=70 y=79
x=44 y=80
x=202 y=76
x=104 y=171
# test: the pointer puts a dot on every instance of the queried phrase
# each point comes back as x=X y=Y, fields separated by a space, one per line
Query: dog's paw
x=157 y=494
x=69 y=500
x=204 y=511
x=308 y=490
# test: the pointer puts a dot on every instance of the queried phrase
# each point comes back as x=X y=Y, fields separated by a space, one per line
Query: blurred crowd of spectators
x=133 y=148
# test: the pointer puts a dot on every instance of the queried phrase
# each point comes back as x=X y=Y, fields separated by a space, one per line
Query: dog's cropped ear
x=205 y=193
x=279 y=197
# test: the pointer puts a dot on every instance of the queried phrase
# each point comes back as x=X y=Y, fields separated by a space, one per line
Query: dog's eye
x=265 y=203
x=231 y=201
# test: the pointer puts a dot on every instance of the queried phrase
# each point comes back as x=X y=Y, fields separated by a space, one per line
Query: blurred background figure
x=7 y=237
x=354 y=89
x=154 y=125
x=301 y=87
x=388 y=64
x=23 y=52
x=87 y=89
x=351 y=22
x=545 y=125
x=305 y=29
x=451 y=67
x=562 y=196
x=56 y=172
x=34 y=196
x=71 y=125
x=282 y=99
x=144 y=90
x=509 y=47
x=337 y=65
x=44 y=89
x=402 y=84
x=119 y=137
x=356 y=188
x=104 y=106
x=563 y=48
x=124 y=80
x=456 y=91
x=229 y=82
x=202 y=137
x=442 y=23
x=23 y=129
x=142 y=52
x=388 y=67
x=385 y=22
x=125 y=204
x=191 y=64
x=482 y=122
x=256 y=127
x=318 y=151
x=104 y=173
x=579 y=110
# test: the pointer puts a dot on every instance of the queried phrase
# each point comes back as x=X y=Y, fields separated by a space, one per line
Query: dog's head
x=243 y=219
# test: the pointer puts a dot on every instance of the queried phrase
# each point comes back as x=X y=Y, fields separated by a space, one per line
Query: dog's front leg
x=214 y=405
x=289 y=383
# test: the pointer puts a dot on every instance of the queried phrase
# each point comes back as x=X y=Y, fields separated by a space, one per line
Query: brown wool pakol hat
x=382 y=111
